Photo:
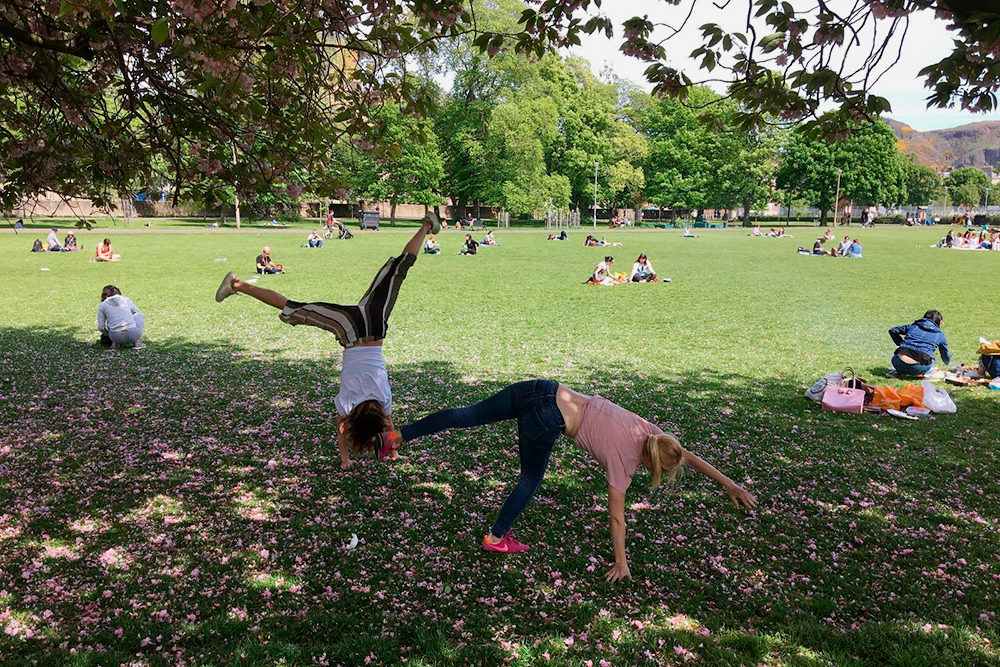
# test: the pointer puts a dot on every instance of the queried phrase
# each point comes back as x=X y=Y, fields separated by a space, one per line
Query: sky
x=927 y=41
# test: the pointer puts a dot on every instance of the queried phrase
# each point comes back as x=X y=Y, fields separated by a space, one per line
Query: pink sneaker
x=385 y=443
x=506 y=545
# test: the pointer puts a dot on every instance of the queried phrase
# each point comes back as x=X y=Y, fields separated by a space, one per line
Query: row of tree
x=529 y=134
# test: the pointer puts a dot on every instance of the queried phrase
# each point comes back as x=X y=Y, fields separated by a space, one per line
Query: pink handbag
x=845 y=397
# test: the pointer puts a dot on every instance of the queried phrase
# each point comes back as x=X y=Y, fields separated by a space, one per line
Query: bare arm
x=345 y=456
x=736 y=493
x=616 y=512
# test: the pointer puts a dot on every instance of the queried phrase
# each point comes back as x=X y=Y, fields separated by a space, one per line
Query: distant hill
x=973 y=145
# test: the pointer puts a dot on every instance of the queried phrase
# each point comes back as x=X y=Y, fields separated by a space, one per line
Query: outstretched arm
x=616 y=512
x=345 y=456
x=736 y=492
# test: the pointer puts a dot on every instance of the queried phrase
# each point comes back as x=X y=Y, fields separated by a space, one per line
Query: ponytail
x=665 y=455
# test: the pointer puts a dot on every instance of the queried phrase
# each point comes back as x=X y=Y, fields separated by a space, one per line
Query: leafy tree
x=407 y=166
x=867 y=160
x=921 y=184
x=967 y=186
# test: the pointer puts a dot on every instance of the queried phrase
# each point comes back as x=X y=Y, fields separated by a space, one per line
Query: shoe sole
x=225 y=289
x=435 y=223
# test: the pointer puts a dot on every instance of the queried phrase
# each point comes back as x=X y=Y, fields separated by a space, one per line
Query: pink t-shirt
x=615 y=437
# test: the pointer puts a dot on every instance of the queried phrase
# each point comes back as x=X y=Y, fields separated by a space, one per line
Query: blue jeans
x=911 y=370
x=539 y=424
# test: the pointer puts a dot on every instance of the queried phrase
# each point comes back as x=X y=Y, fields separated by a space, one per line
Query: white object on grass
x=353 y=544
x=251 y=281
x=43 y=269
x=221 y=259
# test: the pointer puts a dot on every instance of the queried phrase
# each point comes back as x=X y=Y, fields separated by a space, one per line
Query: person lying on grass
x=364 y=401
x=619 y=440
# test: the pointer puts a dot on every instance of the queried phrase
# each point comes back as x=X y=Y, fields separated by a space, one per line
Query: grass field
x=184 y=505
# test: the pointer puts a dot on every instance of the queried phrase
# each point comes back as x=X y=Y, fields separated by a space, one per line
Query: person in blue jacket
x=917 y=344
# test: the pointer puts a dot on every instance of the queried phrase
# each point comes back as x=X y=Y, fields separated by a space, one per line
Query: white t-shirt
x=363 y=378
x=53 y=240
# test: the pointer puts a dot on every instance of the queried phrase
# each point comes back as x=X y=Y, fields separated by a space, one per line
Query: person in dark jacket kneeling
x=917 y=344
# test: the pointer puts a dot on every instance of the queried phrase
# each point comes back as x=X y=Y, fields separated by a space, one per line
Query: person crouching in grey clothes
x=119 y=319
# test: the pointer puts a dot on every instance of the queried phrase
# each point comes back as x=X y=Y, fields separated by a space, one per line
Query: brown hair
x=366 y=420
x=665 y=456
x=109 y=290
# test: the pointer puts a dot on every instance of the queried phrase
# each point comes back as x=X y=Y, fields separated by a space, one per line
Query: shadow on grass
x=185 y=503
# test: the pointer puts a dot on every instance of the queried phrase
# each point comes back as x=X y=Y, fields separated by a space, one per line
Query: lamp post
x=836 y=200
x=236 y=192
x=595 y=195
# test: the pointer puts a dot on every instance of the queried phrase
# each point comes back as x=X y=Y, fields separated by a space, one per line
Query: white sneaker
x=139 y=345
x=226 y=288
x=432 y=218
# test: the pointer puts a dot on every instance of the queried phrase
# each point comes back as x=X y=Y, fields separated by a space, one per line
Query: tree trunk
x=392 y=211
x=746 y=211
x=822 y=218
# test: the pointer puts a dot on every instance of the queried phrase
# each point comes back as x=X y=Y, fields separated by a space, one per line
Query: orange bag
x=912 y=394
x=886 y=398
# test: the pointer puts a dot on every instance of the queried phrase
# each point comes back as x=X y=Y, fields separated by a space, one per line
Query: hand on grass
x=618 y=572
x=344 y=465
x=740 y=495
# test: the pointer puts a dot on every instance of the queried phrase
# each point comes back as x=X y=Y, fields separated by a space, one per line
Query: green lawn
x=184 y=504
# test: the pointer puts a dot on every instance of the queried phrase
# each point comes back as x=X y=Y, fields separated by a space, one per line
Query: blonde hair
x=665 y=455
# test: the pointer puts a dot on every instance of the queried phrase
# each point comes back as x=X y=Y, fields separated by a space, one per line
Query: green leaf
x=160 y=30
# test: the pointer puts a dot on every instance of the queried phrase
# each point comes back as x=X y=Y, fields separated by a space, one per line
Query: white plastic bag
x=815 y=392
x=937 y=400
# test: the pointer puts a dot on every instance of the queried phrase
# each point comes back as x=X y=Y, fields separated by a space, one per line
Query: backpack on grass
x=37 y=246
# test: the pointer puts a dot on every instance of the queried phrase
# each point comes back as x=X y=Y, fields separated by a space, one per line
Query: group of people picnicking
x=622 y=442
x=847 y=247
x=772 y=233
x=102 y=252
x=984 y=240
x=642 y=272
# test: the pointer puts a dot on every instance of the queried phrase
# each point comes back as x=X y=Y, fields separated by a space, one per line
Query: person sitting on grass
x=103 y=252
x=845 y=247
x=470 y=247
x=818 y=246
x=314 y=240
x=688 y=234
x=756 y=231
x=622 y=442
x=70 y=245
x=121 y=324
x=431 y=246
x=489 y=240
x=917 y=344
x=265 y=265
x=53 y=241
x=855 y=250
x=602 y=272
x=827 y=235
x=364 y=400
x=642 y=270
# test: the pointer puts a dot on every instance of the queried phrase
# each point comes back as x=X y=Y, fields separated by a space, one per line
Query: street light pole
x=236 y=193
x=595 y=195
x=836 y=200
